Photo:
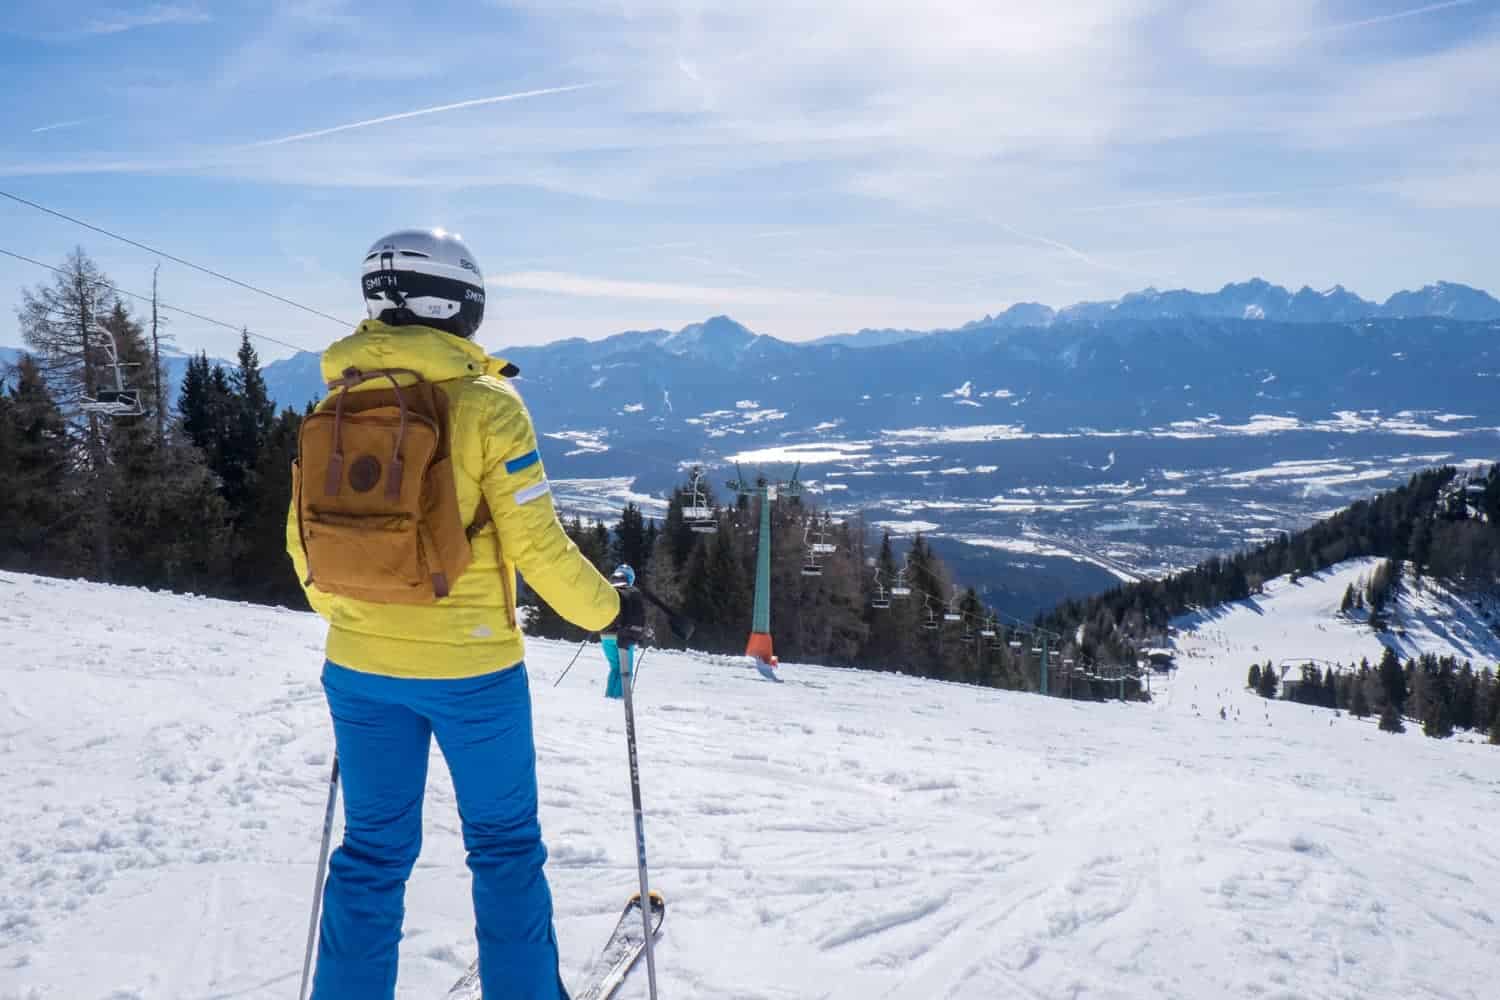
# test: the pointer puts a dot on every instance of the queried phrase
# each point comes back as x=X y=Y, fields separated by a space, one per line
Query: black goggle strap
x=392 y=289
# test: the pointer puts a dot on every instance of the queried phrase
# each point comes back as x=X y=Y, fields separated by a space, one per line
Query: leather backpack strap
x=482 y=519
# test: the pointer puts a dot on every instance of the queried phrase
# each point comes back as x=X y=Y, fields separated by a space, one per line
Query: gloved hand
x=631 y=620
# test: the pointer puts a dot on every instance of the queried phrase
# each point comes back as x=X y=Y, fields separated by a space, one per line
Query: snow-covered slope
x=842 y=835
x=1300 y=622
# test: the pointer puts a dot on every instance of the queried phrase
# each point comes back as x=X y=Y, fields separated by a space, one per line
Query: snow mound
x=841 y=835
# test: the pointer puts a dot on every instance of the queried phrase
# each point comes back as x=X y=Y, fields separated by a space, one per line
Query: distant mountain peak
x=716 y=328
x=1445 y=298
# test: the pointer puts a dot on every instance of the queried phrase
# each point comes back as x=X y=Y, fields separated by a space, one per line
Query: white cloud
x=110 y=22
x=613 y=288
x=712 y=296
x=822 y=167
x=1473 y=188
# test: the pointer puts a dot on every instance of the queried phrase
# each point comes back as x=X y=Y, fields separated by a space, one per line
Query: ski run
x=841 y=835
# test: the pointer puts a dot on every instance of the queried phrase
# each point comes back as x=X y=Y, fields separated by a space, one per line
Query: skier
x=431 y=651
x=629 y=628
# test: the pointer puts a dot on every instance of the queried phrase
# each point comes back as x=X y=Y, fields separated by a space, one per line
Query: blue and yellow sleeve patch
x=523 y=462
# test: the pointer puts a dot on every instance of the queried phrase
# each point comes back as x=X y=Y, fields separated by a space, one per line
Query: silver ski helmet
x=425 y=276
x=624 y=576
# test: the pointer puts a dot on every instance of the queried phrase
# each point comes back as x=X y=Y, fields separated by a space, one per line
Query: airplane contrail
x=1058 y=245
x=476 y=102
x=1432 y=8
x=1185 y=200
x=57 y=125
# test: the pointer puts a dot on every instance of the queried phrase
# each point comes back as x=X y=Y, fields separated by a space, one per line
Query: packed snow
x=841 y=835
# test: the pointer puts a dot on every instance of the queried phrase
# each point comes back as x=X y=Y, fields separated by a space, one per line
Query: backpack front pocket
x=377 y=553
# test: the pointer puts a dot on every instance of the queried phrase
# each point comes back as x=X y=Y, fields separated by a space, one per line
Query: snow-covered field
x=1299 y=622
x=843 y=835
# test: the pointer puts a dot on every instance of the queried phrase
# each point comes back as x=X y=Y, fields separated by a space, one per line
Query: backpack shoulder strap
x=352 y=376
x=482 y=518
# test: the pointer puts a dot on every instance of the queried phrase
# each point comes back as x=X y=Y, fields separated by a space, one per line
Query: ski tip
x=658 y=902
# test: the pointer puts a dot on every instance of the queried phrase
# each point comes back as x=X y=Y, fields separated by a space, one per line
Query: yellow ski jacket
x=473 y=630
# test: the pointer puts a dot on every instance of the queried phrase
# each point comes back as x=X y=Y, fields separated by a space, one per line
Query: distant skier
x=628 y=630
x=418 y=494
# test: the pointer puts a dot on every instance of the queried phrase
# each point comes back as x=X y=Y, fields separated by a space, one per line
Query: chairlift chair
x=699 y=516
x=117 y=401
x=114 y=403
x=951 y=613
x=810 y=565
x=901 y=588
x=820 y=545
x=880 y=602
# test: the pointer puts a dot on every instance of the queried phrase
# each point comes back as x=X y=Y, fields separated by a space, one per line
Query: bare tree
x=57 y=322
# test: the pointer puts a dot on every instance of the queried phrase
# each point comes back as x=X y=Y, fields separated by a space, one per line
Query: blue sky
x=806 y=168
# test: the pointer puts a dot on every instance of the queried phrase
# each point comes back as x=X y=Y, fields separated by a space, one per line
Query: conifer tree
x=1360 y=704
x=38 y=523
x=264 y=569
x=1270 y=684
x=1392 y=682
x=1437 y=715
x=170 y=522
x=61 y=323
x=1465 y=697
x=631 y=544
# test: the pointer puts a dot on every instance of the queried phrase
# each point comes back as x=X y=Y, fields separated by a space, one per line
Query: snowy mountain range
x=1103 y=441
x=1253 y=299
x=722 y=356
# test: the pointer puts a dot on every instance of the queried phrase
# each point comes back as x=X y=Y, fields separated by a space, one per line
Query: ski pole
x=312 y=923
x=570 y=663
x=637 y=670
x=681 y=625
x=640 y=825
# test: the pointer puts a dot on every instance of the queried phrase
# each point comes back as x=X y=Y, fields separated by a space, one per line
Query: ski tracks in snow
x=842 y=835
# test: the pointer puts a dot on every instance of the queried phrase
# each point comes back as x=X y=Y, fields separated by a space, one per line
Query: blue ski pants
x=383 y=728
x=614 y=687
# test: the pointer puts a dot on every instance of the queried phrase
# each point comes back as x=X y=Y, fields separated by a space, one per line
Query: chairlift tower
x=760 y=646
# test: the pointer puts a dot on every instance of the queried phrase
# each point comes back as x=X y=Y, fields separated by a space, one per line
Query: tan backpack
x=377 y=507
